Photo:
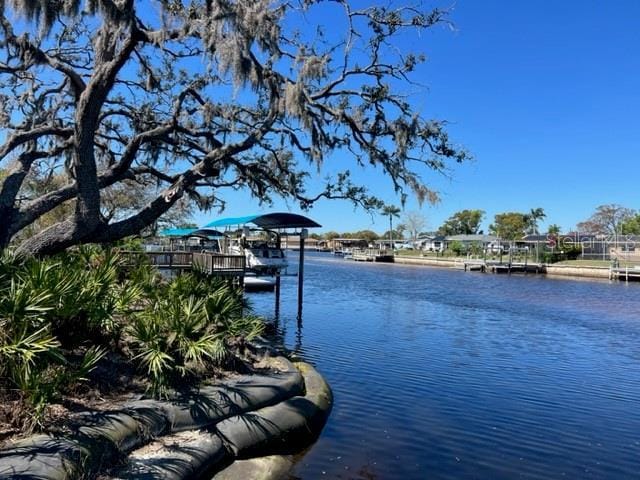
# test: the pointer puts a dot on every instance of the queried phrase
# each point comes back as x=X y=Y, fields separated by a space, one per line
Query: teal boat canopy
x=268 y=220
x=191 y=232
x=177 y=232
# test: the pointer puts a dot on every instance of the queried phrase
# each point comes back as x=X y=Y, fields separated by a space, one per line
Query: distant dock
x=371 y=255
x=625 y=273
x=497 y=267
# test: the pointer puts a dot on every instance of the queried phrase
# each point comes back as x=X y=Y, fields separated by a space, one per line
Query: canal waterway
x=442 y=374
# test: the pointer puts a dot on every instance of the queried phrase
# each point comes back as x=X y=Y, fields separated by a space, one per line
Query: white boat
x=263 y=258
x=258 y=284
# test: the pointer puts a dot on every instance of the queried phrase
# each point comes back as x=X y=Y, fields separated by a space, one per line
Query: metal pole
x=303 y=235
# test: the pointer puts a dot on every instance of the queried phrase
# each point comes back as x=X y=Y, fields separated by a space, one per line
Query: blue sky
x=545 y=95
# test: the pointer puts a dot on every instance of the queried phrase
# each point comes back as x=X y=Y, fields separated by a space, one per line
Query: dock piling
x=277 y=288
x=303 y=235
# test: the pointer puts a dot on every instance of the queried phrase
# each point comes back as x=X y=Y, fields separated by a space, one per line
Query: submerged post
x=278 y=271
x=277 y=294
x=303 y=235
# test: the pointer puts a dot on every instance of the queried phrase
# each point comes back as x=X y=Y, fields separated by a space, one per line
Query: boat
x=259 y=284
x=263 y=256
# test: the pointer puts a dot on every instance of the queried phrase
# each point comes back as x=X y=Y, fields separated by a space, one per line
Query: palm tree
x=553 y=229
x=533 y=217
x=391 y=211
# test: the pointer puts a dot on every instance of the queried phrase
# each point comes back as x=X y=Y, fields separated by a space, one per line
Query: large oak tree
x=197 y=97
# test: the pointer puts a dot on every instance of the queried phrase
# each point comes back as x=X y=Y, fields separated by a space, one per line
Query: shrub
x=457 y=247
x=31 y=359
x=59 y=316
x=187 y=329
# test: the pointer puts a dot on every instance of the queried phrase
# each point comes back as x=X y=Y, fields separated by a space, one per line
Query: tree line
x=608 y=219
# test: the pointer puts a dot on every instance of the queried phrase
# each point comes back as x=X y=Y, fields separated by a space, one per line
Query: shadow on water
x=444 y=374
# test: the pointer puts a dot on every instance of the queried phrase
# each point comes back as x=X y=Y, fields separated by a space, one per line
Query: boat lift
x=275 y=223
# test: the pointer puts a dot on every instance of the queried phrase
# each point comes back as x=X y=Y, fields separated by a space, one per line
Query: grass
x=595 y=263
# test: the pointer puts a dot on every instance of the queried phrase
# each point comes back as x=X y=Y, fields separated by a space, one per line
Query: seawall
x=551 y=270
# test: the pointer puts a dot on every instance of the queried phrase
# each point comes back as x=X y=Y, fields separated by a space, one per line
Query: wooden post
x=627 y=274
x=303 y=236
x=277 y=294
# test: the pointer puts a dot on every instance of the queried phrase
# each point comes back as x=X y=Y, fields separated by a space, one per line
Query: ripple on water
x=441 y=374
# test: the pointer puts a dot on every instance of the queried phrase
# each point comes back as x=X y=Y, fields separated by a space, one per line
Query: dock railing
x=371 y=254
x=163 y=259
x=211 y=263
x=219 y=264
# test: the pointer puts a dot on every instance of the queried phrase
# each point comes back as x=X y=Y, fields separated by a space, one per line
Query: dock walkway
x=371 y=255
x=625 y=273
x=498 y=267
x=211 y=263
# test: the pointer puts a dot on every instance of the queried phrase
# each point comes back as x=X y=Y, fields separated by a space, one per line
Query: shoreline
x=246 y=427
x=565 y=271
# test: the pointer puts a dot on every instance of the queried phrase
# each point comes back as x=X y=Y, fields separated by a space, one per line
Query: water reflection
x=442 y=374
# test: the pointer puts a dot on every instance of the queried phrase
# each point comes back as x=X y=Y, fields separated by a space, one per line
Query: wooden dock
x=220 y=265
x=625 y=273
x=371 y=255
x=497 y=267
x=211 y=263
x=509 y=268
x=471 y=265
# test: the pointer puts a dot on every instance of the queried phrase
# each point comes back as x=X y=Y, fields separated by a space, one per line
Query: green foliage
x=34 y=296
x=390 y=211
x=131 y=244
x=510 y=225
x=366 y=235
x=532 y=218
x=59 y=316
x=567 y=252
x=457 y=247
x=476 y=248
x=86 y=291
x=464 y=222
x=553 y=229
x=631 y=226
x=187 y=329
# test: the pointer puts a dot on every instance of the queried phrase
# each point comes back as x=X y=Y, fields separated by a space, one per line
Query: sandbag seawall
x=255 y=415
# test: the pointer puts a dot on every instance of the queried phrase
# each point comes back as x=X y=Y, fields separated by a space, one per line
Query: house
x=470 y=241
x=431 y=243
x=592 y=246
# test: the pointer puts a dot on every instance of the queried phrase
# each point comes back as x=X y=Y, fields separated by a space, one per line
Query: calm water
x=444 y=374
